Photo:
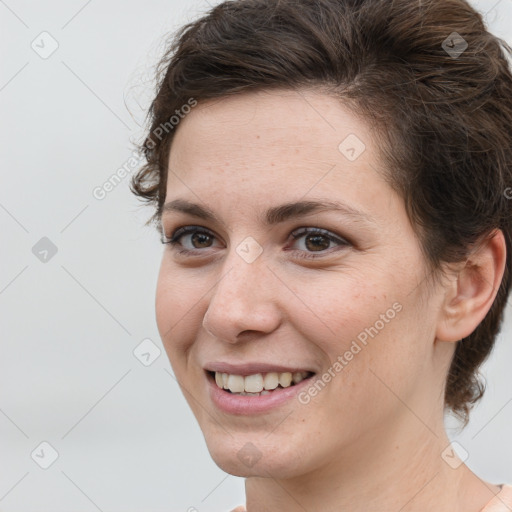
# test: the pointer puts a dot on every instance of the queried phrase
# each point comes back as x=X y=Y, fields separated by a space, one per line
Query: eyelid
x=297 y=233
x=309 y=230
x=185 y=230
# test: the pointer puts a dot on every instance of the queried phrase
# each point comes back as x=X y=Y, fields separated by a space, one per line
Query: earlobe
x=470 y=295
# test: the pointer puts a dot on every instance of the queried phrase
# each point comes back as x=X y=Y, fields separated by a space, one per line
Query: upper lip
x=252 y=368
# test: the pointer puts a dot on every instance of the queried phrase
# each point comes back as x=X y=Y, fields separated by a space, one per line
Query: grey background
x=125 y=437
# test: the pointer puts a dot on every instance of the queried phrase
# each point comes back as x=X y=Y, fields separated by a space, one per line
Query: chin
x=254 y=455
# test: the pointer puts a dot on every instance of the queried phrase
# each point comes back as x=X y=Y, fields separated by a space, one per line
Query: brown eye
x=317 y=240
x=199 y=238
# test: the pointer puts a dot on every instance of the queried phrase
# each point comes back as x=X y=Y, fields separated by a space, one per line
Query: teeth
x=236 y=383
x=271 y=380
x=298 y=377
x=253 y=385
x=285 y=379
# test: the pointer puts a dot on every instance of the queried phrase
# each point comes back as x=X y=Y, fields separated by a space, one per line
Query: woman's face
x=259 y=292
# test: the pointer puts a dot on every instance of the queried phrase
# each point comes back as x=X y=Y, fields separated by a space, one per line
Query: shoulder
x=502 y=502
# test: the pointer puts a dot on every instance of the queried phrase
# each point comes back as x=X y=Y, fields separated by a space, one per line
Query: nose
x=244 y=301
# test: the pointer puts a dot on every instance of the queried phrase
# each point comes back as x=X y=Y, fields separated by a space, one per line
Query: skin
x=372 y=438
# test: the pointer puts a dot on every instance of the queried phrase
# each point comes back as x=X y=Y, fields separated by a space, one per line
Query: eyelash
x=173 y=241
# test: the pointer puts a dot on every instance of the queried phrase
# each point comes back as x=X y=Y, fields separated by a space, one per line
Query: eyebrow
x=275 y=214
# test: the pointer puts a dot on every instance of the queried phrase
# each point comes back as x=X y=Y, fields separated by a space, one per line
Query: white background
x=124 y=434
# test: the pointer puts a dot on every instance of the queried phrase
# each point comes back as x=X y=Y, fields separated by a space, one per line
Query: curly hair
x=427 y=74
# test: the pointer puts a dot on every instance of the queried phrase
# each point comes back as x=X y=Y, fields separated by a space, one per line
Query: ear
x=470 y=295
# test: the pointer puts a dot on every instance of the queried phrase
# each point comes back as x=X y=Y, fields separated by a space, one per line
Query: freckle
x=257 y=136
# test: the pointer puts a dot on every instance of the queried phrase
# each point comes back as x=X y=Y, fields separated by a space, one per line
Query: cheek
x=176 y=309
x=367 y=330
x=343 y=309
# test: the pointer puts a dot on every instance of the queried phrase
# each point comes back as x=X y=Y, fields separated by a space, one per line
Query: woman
x=337 y=218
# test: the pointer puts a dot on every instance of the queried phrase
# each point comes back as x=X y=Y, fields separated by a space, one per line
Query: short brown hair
x=443 y=113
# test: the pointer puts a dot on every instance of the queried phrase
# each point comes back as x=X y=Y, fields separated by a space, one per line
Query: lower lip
x=246 y=405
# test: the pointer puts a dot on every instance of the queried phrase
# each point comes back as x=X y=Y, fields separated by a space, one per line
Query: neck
x=394 y=471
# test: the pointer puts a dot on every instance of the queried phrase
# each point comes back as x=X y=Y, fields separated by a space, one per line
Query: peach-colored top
x=502 y=502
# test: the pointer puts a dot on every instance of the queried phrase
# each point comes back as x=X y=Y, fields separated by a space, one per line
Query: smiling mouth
x=258 y=384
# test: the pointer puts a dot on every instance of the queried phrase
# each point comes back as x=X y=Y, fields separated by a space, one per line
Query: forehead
x=267 y=129
x=281 y=116
x=271 y=147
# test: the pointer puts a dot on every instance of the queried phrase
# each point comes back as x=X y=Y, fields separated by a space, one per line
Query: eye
x=316 y=240
x=200 y=238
